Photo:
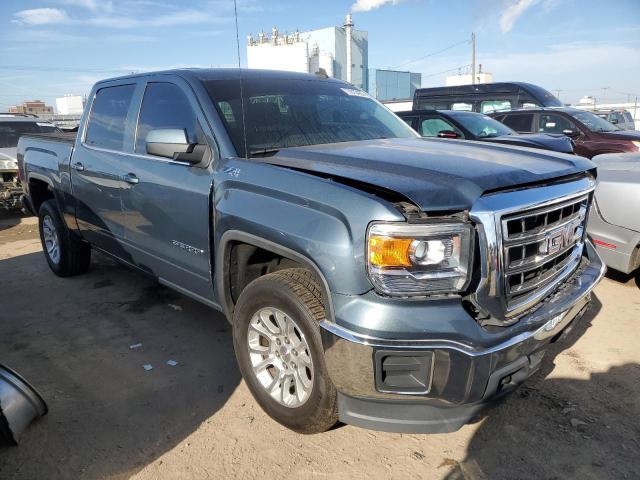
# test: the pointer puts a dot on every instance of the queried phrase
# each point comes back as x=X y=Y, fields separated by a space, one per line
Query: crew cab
x=370 y=275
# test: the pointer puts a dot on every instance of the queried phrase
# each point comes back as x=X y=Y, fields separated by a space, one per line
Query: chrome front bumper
x=464 y=374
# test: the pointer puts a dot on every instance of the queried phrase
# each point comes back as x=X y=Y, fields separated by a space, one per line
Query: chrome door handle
x=77 y=166
x=131 y=178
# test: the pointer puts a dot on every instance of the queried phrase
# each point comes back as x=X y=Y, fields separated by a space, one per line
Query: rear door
x=166 y=203
x=97 y=162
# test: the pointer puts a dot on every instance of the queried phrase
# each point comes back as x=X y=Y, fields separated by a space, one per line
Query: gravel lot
x=109 y=418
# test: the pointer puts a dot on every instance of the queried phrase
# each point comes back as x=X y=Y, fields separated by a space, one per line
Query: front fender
x=311 y=218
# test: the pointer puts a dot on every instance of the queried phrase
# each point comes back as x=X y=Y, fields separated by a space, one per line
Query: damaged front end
x=10 y=186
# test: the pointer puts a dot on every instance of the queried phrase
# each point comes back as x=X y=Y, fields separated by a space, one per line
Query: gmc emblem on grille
x=562 y=237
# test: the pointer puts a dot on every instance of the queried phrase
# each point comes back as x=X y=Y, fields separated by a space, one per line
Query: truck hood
x=621 y=135
x=8 y=159
x=558 y=143
x=435 y=174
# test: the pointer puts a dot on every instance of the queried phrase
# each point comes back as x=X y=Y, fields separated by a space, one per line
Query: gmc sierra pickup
x=370 y=276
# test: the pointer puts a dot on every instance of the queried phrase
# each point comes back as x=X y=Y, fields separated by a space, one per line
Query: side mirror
x=614 y=121
x=170 y=143
x=448 y=134
x=571 y=133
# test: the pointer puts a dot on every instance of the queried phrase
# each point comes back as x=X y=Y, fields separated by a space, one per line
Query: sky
x=571 y=47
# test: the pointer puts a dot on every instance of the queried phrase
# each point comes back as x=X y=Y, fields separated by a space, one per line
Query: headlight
x=637 y=144
x=410 y=260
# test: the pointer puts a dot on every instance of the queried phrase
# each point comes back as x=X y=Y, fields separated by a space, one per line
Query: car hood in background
x=621 y=135
x=559 y=143
x=8 y=160
x=434 y=174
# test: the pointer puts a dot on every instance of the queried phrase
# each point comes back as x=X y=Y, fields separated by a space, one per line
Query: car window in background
x=285 y=112
x=550 y=123
x=519 y=122
x=108 y=117
x=10 y=132
x=530 y=105
x=489 y=106
x=165 y=106
x=409 y=120
x=431 y=126
x=594 y=122
x=462 y=107
x=630 y=122
x=481 y=126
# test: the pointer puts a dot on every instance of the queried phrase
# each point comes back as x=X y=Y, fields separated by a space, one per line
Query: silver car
x=614 y=222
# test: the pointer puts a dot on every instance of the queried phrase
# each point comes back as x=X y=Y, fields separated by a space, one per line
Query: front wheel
x=277 y=343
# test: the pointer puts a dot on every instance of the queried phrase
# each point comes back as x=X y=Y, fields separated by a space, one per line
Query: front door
x=166 y=202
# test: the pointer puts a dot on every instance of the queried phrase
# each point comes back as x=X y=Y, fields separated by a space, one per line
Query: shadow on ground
x=9 y=219
x=624 y=277
x=71 y=339
x=561 y=425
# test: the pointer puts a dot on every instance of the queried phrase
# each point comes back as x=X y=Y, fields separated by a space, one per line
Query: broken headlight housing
x=419 y=259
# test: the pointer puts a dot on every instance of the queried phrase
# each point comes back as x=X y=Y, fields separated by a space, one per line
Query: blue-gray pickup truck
x=370 y=276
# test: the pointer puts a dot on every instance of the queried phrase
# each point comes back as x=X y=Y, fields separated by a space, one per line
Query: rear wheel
x=277 y=342
x=65 y=254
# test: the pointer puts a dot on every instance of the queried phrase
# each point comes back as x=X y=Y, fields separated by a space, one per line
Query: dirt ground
x=110 y=418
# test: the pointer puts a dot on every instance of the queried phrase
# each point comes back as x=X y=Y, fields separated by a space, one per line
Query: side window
x=430 y=126
x=488 y=106
x=108 y=116
x=519 y=123
x=462 y=106
x=165 y=106
x=554 y=124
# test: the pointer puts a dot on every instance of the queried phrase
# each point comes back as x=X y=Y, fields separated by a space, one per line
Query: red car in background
x=591 y=134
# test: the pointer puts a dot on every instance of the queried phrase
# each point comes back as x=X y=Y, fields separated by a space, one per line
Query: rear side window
x=108 y=117
x=554 y=124
x=519 y=123
x=489 y=106
x=166 y=106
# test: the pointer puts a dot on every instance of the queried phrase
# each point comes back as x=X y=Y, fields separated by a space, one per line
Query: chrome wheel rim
x=51 y=242
x=280 y=357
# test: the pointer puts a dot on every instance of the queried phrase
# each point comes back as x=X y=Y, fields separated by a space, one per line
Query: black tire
x=74 y=256
x=296 y=292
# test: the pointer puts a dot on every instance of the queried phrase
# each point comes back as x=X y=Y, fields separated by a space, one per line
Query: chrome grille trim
x=538 y=266
x=492 y=297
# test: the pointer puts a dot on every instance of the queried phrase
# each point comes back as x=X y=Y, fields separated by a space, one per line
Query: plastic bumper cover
x=464 y=377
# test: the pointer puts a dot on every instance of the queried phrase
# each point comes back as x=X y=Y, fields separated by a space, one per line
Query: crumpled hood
x=8 y=159
x=558 y=143
x=434 y=174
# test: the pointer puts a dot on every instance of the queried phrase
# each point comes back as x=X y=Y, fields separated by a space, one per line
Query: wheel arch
x=222 y=277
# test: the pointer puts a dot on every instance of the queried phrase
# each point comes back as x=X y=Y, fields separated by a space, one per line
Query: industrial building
x=467 y=78
x=33 y=107
x=388 y=85
x=341 y=52
x=70 y=104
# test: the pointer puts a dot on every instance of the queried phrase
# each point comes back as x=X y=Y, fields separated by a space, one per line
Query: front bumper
x=469 y=366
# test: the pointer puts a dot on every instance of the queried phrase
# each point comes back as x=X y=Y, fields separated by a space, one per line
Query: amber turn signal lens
x=389 y=252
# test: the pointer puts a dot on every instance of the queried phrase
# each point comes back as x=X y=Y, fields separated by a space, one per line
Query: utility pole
x=473 y=58
x=558 y=93
x=604 y=92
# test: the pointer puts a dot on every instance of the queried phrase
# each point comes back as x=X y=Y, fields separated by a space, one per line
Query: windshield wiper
x=263 y=152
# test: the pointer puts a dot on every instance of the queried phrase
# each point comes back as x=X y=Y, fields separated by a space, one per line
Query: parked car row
x=541 y=122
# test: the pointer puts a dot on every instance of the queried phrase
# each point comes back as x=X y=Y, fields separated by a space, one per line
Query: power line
x=431 y=54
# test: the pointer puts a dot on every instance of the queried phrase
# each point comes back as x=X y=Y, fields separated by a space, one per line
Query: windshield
x=480 y=125
x=594 y=122
x=10 y=131
x=281 y=113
